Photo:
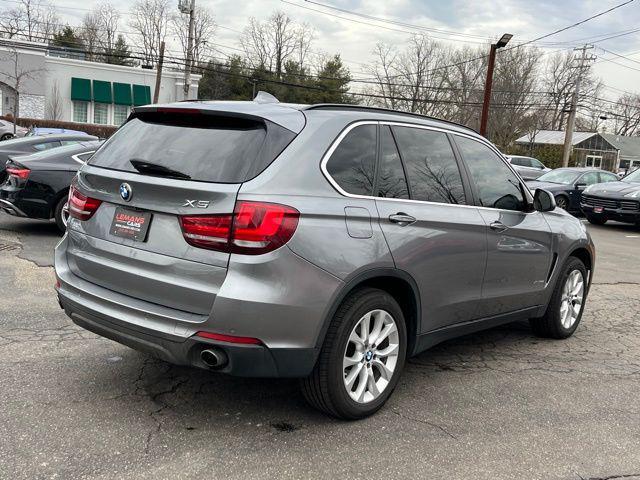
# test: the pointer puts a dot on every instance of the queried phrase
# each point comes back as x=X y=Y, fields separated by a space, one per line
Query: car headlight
x=589 y=188
x=635 y=194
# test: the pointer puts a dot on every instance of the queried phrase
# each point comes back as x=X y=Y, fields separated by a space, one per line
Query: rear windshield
x=206 y=148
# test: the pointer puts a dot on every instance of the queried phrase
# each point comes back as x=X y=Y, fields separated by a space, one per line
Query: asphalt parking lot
x=500 y=404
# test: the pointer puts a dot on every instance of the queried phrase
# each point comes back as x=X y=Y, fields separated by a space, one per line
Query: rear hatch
x=162 y=165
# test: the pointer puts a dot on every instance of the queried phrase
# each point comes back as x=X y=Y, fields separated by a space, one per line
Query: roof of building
x=554 y=137
x=629 y=146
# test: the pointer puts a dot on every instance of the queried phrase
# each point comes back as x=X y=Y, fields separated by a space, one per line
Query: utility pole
x=188 y=6
x=571 y=122
x=488 y=83
x=156 y=92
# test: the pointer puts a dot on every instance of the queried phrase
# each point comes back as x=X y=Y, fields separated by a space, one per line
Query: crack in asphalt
x=613 y=477
x=424 y=422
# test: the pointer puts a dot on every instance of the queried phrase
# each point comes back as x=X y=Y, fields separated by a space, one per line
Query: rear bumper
x=244 y=360
x=246 y=305
x=618 y=214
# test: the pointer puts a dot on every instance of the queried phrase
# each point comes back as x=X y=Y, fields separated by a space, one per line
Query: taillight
x=207 y=231
x=262 y=227
x=81 y=206
x=21 y=173
x=254 y=228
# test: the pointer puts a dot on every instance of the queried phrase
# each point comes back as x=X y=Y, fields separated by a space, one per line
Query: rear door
x=432 y=231
x=194 y=166
x=519 y=241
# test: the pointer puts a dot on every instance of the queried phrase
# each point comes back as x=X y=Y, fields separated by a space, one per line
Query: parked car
x=26 y=145
x=613 y=201
x=33 y=131
x=567 y=184
x=38 y=184
x=529 y=168
x=257 y=239
x=6 y=130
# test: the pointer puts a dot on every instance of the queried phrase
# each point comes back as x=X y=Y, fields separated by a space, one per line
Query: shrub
x=102 y=131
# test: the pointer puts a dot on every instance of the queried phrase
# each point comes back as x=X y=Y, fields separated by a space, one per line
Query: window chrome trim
x=76 y=157
x=348 y=128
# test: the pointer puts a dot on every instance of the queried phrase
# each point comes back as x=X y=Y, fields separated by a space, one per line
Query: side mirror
x=581 y=186
x=543 y=201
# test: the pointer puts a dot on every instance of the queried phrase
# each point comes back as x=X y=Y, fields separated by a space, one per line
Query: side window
x=46 y=146
x=536 y=163
x=392 y=182
x=497 y=185
x=70 y=142
x=589 y=178
x=608 y=177
x=432 y=169
x=352 y=164
x=520 y=162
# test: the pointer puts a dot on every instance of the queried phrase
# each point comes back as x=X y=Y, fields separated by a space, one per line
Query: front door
x=431 y=231
x=519 y=241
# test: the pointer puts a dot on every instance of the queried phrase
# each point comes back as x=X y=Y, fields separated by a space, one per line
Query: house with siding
x=589 y=149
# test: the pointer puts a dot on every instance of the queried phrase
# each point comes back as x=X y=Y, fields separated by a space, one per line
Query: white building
x=67 y=89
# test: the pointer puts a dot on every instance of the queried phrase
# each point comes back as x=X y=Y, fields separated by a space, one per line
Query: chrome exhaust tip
x=214 y=358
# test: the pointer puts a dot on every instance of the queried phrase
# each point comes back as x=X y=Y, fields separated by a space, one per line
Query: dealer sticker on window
x=130 y=224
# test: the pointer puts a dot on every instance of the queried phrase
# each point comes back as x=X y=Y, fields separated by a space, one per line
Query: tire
x=326 y=388
x=6 y=136
x=58 y=215
x=596 y=220
x=562 y=202
x=554 y=324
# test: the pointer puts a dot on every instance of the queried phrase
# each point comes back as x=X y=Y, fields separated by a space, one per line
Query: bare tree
x=33 y=20
x=515 y=83
x=13 y=22
x=54 y=103
x=204 y=28
x=412 y=79
x=558 y=81
x=107 y=19
x=626 y=115
x=16 y=77
x=465 y=79
x=90 y=35
x=272 y=43
x=150 y=20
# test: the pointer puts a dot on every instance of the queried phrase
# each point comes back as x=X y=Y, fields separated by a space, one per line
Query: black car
x=614 y=201
x=27 y=145
x=38 y=184
x=567 y=184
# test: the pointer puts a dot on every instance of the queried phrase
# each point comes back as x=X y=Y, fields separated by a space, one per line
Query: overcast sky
x=478 y=20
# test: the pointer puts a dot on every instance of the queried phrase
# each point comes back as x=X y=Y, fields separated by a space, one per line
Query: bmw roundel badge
x=125 y=192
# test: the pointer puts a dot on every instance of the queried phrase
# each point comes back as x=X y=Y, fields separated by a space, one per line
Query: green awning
x=141 y=95
x=81 y=89
x=102 y=91
x=122 y=94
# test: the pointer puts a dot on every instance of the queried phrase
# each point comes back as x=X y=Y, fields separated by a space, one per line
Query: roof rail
x=347 y=106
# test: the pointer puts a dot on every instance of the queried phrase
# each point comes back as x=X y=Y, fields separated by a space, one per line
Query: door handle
x=498 y=226
x=402 y=219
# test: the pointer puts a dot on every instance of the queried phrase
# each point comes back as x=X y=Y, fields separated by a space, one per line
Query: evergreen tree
x=66 y=38
x=119 y=54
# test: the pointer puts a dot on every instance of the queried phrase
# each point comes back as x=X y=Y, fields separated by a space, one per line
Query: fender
x=360 y=278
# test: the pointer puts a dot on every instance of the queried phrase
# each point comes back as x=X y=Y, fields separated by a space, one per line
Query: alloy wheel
x=371 y=356
x=65 y=214
x=572 y=298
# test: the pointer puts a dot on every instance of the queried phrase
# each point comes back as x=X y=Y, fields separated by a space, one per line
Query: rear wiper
x=154 y=169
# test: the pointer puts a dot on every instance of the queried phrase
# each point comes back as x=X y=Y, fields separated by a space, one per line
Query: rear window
x=207 y=148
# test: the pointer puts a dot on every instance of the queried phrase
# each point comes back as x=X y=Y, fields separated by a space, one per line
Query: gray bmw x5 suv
x=325 y=242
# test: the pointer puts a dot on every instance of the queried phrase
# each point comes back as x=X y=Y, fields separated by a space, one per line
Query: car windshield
x=633 y=177
x=564 y=177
